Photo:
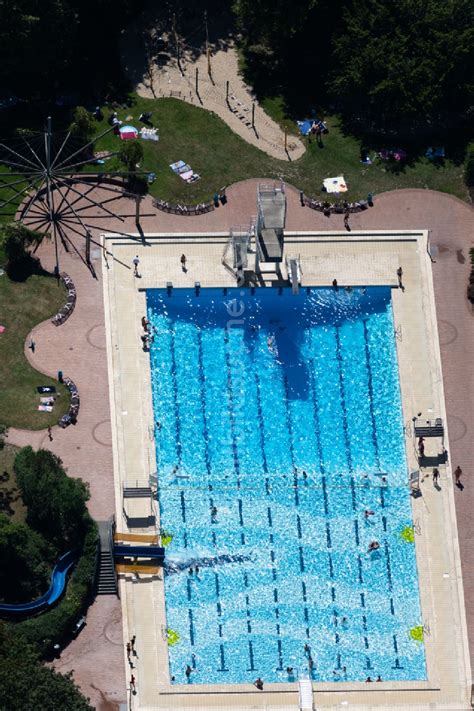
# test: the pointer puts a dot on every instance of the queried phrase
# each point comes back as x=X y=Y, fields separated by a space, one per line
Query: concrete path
x=78 y=348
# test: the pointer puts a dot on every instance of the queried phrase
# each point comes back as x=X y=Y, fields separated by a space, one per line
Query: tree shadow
x=26 y=267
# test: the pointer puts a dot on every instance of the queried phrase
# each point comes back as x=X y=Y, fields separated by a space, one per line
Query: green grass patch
x=24 y=305
x=10 y=500
x=221 y=157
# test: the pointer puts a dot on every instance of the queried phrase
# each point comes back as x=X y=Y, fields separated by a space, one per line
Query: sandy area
x=223 y=92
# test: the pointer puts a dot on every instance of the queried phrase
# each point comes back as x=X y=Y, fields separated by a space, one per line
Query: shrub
x=82 y=124
x=25 y=555
x=56 y=503
x=469 y=166
x=57 y=510
x=55 y=625
x=131 y=153
x=26 y=684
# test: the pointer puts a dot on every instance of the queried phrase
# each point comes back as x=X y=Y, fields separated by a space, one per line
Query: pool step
x=137 y=492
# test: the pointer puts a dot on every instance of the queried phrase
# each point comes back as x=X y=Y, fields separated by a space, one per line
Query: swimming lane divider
x=371 y=394
x=175 y=396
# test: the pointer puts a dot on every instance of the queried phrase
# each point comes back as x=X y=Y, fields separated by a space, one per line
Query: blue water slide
x=56 y=589
x=122 y=551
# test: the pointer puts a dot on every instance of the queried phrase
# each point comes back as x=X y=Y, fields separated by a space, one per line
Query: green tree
x=272 y=36
x=28 y=685
x=36 y=44
x=82 y=125
x=469 y=166
x=131 y=153
x=56 y=503
x=404 y=62
x=23 y=560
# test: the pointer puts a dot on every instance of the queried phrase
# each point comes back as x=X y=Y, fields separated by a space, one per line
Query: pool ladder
x=305 y=689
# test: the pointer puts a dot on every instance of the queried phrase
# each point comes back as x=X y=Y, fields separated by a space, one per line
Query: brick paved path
x=78 y=348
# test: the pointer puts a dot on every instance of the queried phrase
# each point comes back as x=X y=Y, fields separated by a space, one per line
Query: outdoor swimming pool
x=282 y=414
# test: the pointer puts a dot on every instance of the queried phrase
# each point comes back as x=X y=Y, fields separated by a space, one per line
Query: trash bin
x=60 y=376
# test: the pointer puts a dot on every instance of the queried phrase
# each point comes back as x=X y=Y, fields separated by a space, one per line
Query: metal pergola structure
x=45 y=173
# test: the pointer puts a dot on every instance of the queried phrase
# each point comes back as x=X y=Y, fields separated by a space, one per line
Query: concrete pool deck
x=78 y=348
x=357 y=259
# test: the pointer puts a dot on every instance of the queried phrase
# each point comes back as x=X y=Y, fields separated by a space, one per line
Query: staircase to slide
x=107 y=577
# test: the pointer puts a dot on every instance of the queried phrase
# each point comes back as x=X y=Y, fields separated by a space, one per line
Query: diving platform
x=293 y=267
x=271 y=220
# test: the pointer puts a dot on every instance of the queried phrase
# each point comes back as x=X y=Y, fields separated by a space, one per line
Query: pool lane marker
x=251 y=657
x=223 y=667
x=317 y=428
x=388 y=566
x=202 y=382
x=261 y=424
x=345 y=427
x=183 y=506
x=356 y=533
x=191 y=626
x=331 y=566
x=230 y=394
x=289 y=428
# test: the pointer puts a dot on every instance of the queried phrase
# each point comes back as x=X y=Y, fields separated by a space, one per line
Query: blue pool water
x=282 y=414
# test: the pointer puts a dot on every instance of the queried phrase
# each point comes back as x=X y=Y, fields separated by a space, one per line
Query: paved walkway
x=78 y=348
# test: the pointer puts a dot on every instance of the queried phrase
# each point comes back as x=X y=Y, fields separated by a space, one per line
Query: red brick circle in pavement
x=451 y=224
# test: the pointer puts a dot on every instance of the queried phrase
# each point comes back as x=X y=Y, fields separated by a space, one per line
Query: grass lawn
x=23 y=305
x=221 y=157
x=10 y=501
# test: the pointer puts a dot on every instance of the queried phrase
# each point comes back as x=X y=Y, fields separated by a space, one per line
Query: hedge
x=55 y=626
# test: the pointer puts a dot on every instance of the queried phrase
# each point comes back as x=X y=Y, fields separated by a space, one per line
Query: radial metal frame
x=55 y=205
